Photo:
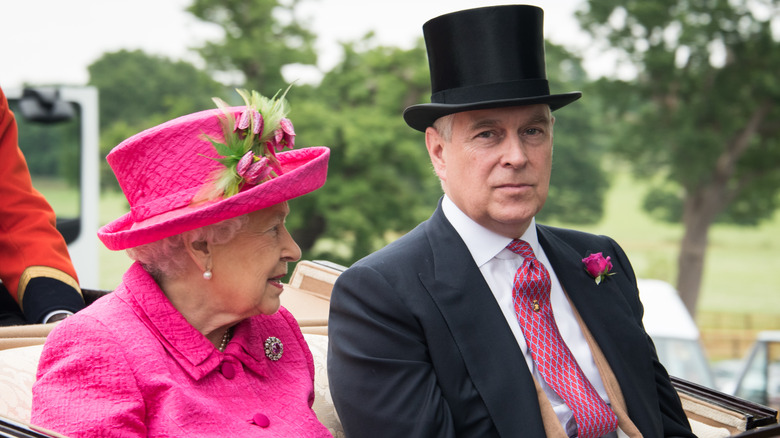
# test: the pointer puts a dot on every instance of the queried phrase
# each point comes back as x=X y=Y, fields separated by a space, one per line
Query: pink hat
x=209 y=166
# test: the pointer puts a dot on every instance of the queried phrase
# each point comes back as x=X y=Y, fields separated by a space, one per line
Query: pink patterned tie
x=556 y=364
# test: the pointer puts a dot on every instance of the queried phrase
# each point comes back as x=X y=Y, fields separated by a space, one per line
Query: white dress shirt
x=498 y=266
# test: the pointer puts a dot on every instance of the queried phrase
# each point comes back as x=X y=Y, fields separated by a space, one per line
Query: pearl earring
x=207 y=274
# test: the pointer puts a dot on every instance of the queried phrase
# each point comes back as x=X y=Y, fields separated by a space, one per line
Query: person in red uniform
x=39 y=283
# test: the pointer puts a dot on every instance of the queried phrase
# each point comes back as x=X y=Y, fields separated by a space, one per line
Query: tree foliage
x=380 y=181
x=136 y=86
x=51 y=150
x=579 y=183
x=261 y=37
x=138 y=90
x=700 y=120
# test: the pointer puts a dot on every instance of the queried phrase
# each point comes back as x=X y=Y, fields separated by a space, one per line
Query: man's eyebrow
x=541 y=117
x=482 y=123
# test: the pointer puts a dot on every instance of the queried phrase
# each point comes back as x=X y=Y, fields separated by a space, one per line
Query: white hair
x=443 y=125
x=167 y=258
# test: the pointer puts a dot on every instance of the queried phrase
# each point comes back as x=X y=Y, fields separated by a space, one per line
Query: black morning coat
x=420 y=348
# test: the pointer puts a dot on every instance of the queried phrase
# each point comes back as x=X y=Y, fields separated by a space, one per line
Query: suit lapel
x=479 y=329
x=592 y=301
x=606 y=313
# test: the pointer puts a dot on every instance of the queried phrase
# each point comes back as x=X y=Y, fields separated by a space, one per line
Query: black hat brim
x=424 y=115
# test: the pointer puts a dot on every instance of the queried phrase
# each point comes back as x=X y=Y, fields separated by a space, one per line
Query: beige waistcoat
x=553 y=427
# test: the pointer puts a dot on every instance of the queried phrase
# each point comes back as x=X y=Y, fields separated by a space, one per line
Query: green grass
x=741 y=266
x=741 y=272
x=62 y=198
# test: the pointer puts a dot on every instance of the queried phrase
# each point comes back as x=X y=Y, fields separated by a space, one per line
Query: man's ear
x=200 y=252
x=435 y=145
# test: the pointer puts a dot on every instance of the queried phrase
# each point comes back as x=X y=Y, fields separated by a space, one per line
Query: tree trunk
x=703 y=204
x=701 y=208
x=693 y=249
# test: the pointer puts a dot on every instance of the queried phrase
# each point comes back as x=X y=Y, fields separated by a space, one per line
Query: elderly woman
x=194 y=342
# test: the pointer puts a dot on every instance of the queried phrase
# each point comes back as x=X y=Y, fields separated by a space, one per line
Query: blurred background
x=674 y=149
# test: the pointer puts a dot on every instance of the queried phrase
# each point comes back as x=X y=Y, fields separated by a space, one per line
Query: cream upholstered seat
x=17 y=375
x=18 y=365
x=307 y=296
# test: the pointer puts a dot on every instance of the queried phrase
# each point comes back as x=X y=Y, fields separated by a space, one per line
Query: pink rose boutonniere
x=598 y=267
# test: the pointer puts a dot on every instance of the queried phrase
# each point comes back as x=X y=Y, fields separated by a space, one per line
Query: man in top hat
x=480 y=322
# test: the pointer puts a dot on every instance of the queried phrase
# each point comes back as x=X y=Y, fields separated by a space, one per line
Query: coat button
x=228 y=370
x=261 y=420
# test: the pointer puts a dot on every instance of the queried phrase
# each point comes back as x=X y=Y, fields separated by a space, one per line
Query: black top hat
x=485 y=58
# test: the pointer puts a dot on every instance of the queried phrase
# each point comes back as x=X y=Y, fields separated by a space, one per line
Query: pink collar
x=187 y=346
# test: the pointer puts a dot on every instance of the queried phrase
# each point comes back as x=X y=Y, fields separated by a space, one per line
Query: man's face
x=496 y=165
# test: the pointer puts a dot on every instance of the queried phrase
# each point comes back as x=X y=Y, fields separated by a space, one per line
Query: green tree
x=138 y=90
x=51 y=150
x=135 y=86
x=700 y=120
x=380 y=182
x=579 y=183
x=261 y=37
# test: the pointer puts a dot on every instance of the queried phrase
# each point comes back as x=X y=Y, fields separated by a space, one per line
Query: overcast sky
x=53 y=41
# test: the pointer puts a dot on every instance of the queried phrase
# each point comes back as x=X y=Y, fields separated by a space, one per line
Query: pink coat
x=130 y=365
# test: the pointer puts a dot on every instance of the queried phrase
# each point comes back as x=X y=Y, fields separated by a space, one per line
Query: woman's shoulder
x=109 y=320
x=102 y=314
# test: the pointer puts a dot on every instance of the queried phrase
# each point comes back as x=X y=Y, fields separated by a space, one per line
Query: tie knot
x=521 y=248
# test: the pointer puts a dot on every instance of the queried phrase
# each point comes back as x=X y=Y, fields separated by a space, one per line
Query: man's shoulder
x=568 y=241
x=406 y=249
x=571 y=236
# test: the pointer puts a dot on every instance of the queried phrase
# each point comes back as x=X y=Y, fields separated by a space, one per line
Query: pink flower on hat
x=598 y=267
x=283 y=137
x=288 y=137
x=252 y=168
x=245 y=162
x=242 y=122
x=247 y=149
x=258 y=123
x=209 y=154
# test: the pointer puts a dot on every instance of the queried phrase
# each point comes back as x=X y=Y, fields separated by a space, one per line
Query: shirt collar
x=482 y=243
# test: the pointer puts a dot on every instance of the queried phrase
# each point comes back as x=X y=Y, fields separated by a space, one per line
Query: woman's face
x=247 y=271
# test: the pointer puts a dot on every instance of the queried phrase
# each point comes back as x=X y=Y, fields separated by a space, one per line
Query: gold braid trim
x=48 y=272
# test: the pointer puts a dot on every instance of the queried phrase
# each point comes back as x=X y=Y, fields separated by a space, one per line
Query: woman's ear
x=200 y=252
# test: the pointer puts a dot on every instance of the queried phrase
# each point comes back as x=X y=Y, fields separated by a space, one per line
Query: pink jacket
x=130 y=365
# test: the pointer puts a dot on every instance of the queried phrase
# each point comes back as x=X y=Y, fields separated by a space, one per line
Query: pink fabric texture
x=161 y=170
x=130 y=365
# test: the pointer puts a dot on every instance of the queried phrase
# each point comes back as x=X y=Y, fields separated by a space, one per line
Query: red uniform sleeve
x=28 y=236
